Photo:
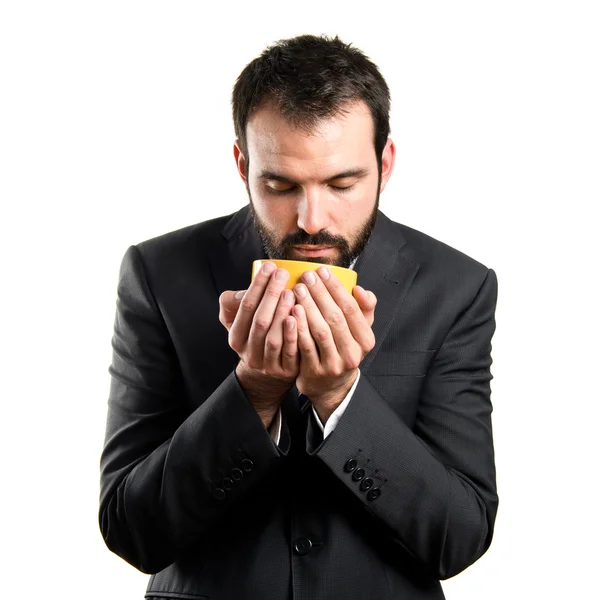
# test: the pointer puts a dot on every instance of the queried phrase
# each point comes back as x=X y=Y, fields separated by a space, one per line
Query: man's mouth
x=313 y=250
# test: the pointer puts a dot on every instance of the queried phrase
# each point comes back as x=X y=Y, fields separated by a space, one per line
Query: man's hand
x=264 y=335
x=334 y=335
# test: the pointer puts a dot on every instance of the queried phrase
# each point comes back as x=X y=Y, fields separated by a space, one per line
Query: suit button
x=219 y=494
x=358 y=474
x=366 y=484
x=237 y=474
x=227 y=483
x=302 y=546
x=247 y=465
x=373 y=494
x=350 y=465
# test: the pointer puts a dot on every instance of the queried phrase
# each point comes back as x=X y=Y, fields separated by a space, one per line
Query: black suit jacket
x=194 y=490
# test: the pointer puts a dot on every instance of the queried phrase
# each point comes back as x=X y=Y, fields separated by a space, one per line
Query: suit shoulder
x=445 y=270
x=438 y=255
x=194 y=239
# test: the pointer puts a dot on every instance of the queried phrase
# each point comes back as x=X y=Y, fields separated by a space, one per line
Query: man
x=314 y=444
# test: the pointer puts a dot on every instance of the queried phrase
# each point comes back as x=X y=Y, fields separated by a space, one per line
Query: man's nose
x=313 y=215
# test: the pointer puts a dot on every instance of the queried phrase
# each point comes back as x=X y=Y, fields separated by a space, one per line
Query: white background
x=115 y=127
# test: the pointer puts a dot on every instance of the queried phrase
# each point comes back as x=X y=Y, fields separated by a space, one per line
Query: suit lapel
x=387 y=267
x=231 y=262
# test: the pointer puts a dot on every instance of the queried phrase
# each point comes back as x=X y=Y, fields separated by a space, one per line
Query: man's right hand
x=264 y=335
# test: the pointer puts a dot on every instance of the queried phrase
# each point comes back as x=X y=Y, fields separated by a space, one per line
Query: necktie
x=302 y=399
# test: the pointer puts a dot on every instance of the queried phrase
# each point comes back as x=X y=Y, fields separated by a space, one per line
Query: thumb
x=229 y=304
x=366 y=300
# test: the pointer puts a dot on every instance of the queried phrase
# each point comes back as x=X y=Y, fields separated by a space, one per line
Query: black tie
x=302 y=400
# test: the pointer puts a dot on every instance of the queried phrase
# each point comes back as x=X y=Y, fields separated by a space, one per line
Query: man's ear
x=240 y=160
x=388 y=158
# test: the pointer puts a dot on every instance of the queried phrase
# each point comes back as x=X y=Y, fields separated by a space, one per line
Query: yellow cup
x=296 y=267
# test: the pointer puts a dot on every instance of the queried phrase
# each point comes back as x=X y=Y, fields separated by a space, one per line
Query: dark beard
x=283 y=249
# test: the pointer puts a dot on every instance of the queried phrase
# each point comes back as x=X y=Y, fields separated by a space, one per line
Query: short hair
x=308 y=78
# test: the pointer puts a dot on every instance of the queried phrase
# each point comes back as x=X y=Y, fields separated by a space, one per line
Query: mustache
x=322 y=238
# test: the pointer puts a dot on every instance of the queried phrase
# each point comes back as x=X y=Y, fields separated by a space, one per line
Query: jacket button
x=247 y=465
x=302 y=546
x=350 y=465
x=358 y=474
x=366 y=484
x=237 y=474
x=219 y=494
x=373 y=494
x=227 y=483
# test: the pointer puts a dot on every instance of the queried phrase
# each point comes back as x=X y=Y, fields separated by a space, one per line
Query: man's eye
x=280 y=190
x=341 y=189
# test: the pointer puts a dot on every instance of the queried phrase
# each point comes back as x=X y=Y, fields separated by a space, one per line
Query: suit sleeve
x=336 y=415
x=433 y=486
x=168 y=476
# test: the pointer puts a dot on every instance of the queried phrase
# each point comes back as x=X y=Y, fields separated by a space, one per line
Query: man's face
x=314 y=195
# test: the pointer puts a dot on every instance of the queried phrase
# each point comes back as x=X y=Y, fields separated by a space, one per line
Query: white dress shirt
x=336 y=415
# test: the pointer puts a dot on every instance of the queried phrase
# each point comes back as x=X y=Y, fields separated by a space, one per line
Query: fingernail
x=310 y=278
x=268 y=268
x=288 y=298
x=290 y=324
x=281 y=275
x=239 y=295
x=324 y=273
x=300 y=291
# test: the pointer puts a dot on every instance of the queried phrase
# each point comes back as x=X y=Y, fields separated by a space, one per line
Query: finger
x=229 y=304
x=290 y=356
x=318 y=327
x=274 y=338
x=367 y=302
x=240 y=328
x=365 y=298
x=263 y=317
x=309 y=355
x=359 y=327
x=346 y=346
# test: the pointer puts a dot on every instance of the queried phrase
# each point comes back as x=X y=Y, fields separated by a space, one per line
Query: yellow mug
x=296 y=267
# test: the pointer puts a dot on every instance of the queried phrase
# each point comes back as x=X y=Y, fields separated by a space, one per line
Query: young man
x=264 y=443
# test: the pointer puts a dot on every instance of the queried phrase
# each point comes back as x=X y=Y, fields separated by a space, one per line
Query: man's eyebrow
x=349 y=173
x=272 y=176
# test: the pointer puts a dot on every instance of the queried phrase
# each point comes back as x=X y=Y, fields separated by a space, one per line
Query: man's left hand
x=334 y=335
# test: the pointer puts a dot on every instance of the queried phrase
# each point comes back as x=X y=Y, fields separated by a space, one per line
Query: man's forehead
x=269 y=132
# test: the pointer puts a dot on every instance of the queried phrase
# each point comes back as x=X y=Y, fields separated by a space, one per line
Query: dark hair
x=308 y=78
